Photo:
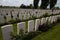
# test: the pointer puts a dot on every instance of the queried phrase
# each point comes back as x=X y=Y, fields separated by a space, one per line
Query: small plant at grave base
x=31 y=35
x=5 y=19
x=18 y=15
x=17 y=19
x=11 y=14
x=30 y=17
x=58 y=20
x=48 y=25
x=18 y=37
x=26 y=28
x=43 y=28
x=22 y=17
x=6 y=13
x=14 y=37
x=21 y=34
x=34 y=17
x=12 y=20
x=46 y=14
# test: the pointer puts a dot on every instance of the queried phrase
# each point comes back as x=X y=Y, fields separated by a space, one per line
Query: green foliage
x=46 y=14
x=12 y=21
x=21 y=33
x=35 y=2
x=26 y=6
x=44 y=4
x=52 y=3
x=52 y=34
x=26 y=28
x=5 y=19
x=15 y=28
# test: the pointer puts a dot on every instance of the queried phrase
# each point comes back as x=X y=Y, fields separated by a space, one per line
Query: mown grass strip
x=26 y=28
x=52 y=34
x=15 y=28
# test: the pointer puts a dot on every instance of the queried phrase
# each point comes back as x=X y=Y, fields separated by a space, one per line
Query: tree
x=35 y=3
x=22 y=6
x=44 y=4
x=52 y=3
x=31 y=6
x=56 y=8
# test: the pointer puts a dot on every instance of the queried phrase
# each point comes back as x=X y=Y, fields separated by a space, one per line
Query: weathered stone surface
x=20 y=16
x=1 y=19
x=14 y=13
x=31 y=26
x=49 y=19
x=37 y=24
x=8 y=17
x=20 y=26
x=6 y=32
x=43 y=21
x=24 y=16
x=52 y=19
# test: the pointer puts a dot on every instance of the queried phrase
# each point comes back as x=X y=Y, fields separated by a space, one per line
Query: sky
x=19 y=2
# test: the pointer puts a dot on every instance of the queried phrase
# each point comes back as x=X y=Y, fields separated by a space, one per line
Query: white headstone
x=25 y=16
x=49 y=19
x=52 y=19
x=8 y=17
x=28 y=16
x=20 y=16
x=37 y=24
x=55 y=18
x=42 y=21
x=20 y=26
x=6 y=30
x=2 y=19
x=31 y=26
x=14 y=13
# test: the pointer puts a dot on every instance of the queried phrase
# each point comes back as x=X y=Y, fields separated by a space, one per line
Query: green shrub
x=46 y=14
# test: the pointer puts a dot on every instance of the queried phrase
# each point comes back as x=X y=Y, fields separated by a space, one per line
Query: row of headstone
x=29 y=11
x=32 y=26
x=23 y=14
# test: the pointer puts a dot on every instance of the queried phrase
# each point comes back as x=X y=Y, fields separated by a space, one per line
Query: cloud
x=4 y=0
x=19 y=2
x=58 y=3
x=15 y=2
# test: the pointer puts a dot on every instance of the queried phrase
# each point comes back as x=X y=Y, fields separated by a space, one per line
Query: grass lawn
x=15 y=28
x=26 y=28
x=52 y=34
x=0 y=34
